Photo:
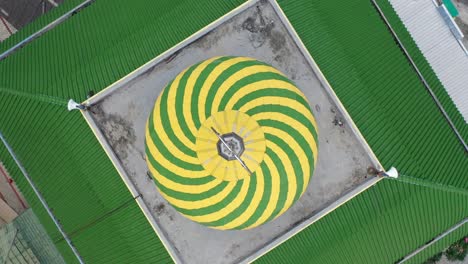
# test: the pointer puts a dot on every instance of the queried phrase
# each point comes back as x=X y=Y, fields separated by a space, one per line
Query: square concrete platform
x=258 y=30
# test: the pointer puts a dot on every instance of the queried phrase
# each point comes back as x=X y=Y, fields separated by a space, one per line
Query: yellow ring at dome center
x=251 y=141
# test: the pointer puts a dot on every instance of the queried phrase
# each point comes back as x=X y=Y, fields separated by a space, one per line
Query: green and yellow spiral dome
x=231 y=143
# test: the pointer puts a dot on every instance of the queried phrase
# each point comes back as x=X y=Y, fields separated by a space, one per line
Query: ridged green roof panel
x=403 y=126
x=440 y=245
x=57 y=147
x=380 y=90
x=78 y=181
x=424 y=67
x=39 y=23
x=382 y=225
x=109 y=39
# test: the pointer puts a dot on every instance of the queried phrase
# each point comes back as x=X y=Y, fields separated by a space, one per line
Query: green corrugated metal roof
x=439 y=246
x=379 y=89
x=402 y=125
x=78 y=181
x=352 y=47
x=57 y=147
x=32 y=241
x=425 y=68
x=39 y=23
x=381 y=225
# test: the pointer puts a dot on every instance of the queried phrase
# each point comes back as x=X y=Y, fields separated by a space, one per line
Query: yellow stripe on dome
x=256 y=199
x=204 y=203
x=171 y=111
x=190 y=189
x=293 y=104
x=168 y=164
x=189 y=91
x=286 y=102
x=159 y=128
x=259 y=85
x=229 y=121
x=229 y=82
x=227 y=209
x=274 y=195
x=193 y=172
x=218 y=70
x=290 y=174
x=304 y=131
x=298 y=150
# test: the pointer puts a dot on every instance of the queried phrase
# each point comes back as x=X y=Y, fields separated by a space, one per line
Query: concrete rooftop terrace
x=355 y=52
x=118 y=115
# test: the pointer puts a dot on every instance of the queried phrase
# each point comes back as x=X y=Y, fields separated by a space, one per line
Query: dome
x=231 y=143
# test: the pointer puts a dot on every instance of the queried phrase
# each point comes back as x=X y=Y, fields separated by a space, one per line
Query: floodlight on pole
x=392 y=173
x=72 y=105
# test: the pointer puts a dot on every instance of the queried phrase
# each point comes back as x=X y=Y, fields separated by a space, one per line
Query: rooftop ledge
x=260 y=30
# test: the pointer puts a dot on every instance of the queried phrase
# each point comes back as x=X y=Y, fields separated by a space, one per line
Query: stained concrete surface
x=258 y=33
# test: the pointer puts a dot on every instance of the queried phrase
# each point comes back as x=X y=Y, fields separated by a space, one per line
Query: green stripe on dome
x=249 y=80
x=187 y=183
x=198 y=84
x=169 y=155
x=264 y=200
x=223 y=77
x=165 y=120
x=179 y=101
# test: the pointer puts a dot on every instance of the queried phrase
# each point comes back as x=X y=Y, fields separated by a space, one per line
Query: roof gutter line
x=421 y=77
x=48 y=27
x=429 y=184
x=311 y=220
x=41 y=199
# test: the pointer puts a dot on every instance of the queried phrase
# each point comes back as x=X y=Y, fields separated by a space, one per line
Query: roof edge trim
x=439 y=237
x=45 y=29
